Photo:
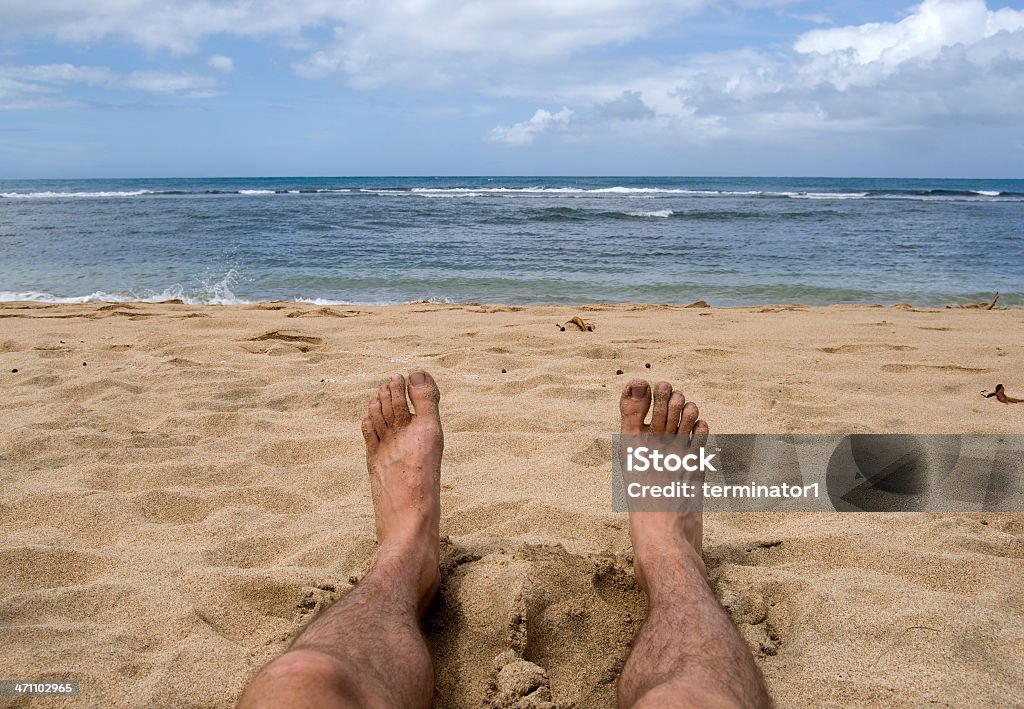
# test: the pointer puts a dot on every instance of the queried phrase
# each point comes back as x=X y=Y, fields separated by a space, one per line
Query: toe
x=384 y=395
x=636 y=399
x=399 y=405
x=423 y=393
x=675 y=410
x=700 y=435
x=377 y=418
x=659 y=415
x=370 y=434
x=688 y=418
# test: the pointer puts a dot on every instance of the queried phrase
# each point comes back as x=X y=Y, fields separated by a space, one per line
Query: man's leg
x=366 y=650
x=688 y=653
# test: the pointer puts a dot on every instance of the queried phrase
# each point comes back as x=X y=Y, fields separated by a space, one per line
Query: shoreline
x=591 y=305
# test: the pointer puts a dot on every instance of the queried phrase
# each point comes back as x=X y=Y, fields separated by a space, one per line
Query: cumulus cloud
x=865 y=54
x=629 y=106
x=947 y=61
x=933 y=25
x=525 y=132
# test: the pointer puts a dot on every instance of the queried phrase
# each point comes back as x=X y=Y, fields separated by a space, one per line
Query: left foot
x=661 y=540
x=403 y=457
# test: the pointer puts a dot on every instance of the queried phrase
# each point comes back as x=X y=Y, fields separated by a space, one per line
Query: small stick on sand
x=1000 y=394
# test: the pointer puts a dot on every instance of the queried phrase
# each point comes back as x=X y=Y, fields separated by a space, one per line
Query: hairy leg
x=688 y=653
x=367 y=650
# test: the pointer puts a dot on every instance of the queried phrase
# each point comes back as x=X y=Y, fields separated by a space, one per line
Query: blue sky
x=137 y=88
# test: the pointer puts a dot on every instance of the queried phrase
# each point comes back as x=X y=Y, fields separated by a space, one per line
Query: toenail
x=417 y=379
x=637 y=391
x=662 y=386
x=396 y=377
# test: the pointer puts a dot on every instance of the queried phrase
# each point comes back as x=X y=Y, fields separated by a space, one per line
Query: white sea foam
x=177 y=293
x=622 y=191
x=207 y=293
x=646 y=190
x=51 y=195
x=494 y=190
x=328 y=301
x=629 y=191
x=823 y=195
x=661 y=213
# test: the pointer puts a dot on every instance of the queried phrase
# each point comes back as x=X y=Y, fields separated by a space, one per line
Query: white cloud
x=61 y=74
x=169 y=84
x=222 y=63
x=524 y=133
x=864 y=54
x=438 y=42
x=373 y=42
x=16 y=94
x=158 y=25
x=947 y=62
x=39 y=85
x=629 y=106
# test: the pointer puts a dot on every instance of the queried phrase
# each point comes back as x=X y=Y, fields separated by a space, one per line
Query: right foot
x=403 y=457
x=662 y=540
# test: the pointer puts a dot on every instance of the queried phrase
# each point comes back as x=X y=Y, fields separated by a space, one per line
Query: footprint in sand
x=902 y=368
x=296 y=340
x=866 y=348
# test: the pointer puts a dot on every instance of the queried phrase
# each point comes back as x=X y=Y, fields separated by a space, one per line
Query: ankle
x=409 y=569
x=659 y=567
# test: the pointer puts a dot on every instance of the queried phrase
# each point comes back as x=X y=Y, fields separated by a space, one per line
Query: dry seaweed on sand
x=1000 y=394
x=578 y=322
x=979 y=305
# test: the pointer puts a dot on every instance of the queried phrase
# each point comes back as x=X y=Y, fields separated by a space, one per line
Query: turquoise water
x=730 y=241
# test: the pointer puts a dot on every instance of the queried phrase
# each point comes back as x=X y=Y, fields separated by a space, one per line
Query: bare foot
x=403 y=457
x=662 y=539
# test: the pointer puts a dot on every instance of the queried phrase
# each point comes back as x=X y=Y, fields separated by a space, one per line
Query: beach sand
x=184 y=486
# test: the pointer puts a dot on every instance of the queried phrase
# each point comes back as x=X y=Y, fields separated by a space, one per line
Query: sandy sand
x=184 y=486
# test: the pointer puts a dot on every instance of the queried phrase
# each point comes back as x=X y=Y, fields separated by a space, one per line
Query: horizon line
x=505 y=176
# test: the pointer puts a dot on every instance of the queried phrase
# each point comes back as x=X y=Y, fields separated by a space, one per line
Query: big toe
x=424 y=393
x=633 y=405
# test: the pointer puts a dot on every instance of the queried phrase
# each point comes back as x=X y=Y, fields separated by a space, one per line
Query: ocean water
x=730 y=241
